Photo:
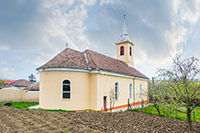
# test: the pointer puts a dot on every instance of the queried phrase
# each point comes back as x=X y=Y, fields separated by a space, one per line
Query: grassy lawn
x=21 y=105
x=55 y=110
x=151 y=110
x=25 y=105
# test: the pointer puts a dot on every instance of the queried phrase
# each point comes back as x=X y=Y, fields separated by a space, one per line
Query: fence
x=196 y=101
x=18 y=95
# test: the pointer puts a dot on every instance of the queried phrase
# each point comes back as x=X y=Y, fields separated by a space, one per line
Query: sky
x=33 y=31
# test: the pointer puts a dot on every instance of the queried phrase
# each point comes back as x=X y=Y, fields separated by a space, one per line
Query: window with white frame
x=116 y=91
x=140 y=90
x=66 y=89
x=130 y=90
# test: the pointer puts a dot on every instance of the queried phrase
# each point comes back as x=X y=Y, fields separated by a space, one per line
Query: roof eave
x=125 y=74
x=119 y=43
x=62 y=67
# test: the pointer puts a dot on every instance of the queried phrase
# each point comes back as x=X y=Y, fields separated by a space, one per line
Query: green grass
x=25 y=105
x=1 y=103
x=91 y=111
x=21 y=105
x=183 y=116
x=55 y=110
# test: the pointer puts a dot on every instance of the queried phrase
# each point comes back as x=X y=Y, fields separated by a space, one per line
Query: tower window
x=130 y=51
x=122 y=50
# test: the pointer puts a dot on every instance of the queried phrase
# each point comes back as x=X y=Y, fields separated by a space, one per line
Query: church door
x=104 y=102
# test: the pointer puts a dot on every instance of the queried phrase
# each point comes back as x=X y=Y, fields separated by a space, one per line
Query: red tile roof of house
x=70 y=58
x=21 y=83
x=10 y=81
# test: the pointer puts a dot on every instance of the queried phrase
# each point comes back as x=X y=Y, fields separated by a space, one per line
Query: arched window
x=130 y=51
x=140 y=90
x=122 y=50
x=130 y=90
x=116 y=91
x=66 y=89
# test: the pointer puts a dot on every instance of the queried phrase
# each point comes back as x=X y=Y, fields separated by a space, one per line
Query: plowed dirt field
x=19 y=120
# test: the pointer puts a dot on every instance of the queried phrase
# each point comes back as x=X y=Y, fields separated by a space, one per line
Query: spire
x=124 y=27
x=124 y=36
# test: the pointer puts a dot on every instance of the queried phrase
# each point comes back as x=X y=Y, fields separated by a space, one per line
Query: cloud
x=89 y=2
x=42 y=26
x=35 y=31
x=2 y=62
x=52 y=3
x=154 y=27
x=64 y=27
x=7 y=73
x=175 y=38
x=102 y=2
x=25 y=61
x=190 y=11
x=3 y=47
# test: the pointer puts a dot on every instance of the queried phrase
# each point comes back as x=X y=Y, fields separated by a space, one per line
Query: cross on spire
x=124 y=16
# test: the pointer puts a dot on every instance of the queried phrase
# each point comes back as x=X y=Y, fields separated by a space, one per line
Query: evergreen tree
x=32 y=78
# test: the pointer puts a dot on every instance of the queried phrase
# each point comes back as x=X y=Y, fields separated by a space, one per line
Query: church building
x=75 y=80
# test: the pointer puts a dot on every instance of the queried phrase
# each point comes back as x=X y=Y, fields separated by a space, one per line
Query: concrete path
x=34 y=107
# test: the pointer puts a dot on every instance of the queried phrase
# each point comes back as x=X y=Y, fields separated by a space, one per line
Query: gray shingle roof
x=124 y=36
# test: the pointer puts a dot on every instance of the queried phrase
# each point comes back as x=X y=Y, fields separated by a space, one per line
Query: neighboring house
x=33 y=87
x=10 y=81
x=75 y=80
x=19 y=84
x=7 y=87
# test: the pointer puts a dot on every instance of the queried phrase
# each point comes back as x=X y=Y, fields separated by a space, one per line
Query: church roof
x=124 y=36
x=67 y=58
x=89 y=59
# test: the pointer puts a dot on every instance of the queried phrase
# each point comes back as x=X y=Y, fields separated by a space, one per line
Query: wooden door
x=104 y=102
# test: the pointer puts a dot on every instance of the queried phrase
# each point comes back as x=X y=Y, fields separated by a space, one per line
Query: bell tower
x=125 y=47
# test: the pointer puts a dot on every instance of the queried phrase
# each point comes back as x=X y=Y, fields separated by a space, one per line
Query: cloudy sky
x=34 y=31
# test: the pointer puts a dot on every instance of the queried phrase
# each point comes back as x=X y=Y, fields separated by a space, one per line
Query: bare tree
x=174 y=103
x=163 y=96
x=112 y=96
x=182 y=79
x=142 y=96
x=156 y=94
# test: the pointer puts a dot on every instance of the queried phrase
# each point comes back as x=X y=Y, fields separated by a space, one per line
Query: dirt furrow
x=18 y=120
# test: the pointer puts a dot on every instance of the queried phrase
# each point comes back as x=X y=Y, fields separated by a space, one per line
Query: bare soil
x=19 y=120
